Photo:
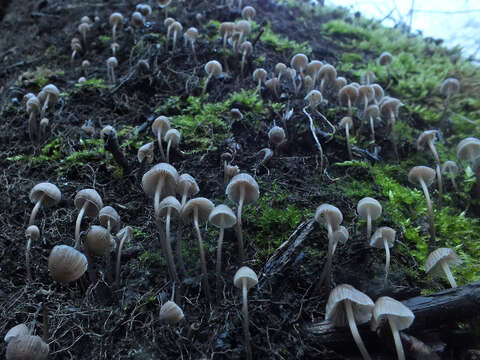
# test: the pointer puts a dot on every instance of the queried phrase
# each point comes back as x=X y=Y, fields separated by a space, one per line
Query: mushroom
x=469 y=150
x=171 y=313
x=245 y=278
x=327 y=76
x=385 y=59
x=32 y=234
x=43 y=194
x=114 y=47
x=367 y=77
x=427 y=138
x=424 y=176
x=276 y=135
x=138 y=20
x=230 y=172
x=246 y=49
x=369 y=209
x=177 y=29
x=379 y=93
x=347 y=305
x=44 y=123
x=259 y=75
x=389 y=108
x=195 y=211
x=33 y=111
x=112 y=63
x=145 y=153
x=449 y=87
x=226 y=30
x=347 y=95
x=451 y=168
x=347 y=123
x=48 y=97
x=399 y=318
x=313 y=69
x=98 y=241
x=168 y=22
x=372 y=112
x=248 y=12
x=299 y=62
x=213 y=69
x=145 y=9
x=172 y=137
x=116 y=20
x=160 y=126
x=439 y=260
x=167 y=205
x=76 y=48
x=27 y=347
x=17 y=330
x=280 y=69
x=191 y=36
x=186 y=186
x=227 y=158
x=365 y=95
x=163 y=4
x=160 y=180
x=221 y=217
x=66 y=264
x=125 y=234
x=340 y=82
x=273 y=85
x=384 y=237
x=83 y=29
x=89 y=202
x=243 y=29
x=242 y=189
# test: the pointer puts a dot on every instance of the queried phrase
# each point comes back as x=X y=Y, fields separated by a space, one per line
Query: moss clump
x=283 y=44
x=93 y=83
x=342 y=28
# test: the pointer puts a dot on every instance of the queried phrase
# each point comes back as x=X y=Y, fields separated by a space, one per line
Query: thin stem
x=446 y=270
x=168 y=150
x=27 y=257
x=168 y=248
x=246 y=330
x=387 y=259
x=244 y=55
x=78 y=223
x=32 y=126
x=327 y=268
x=440 y=183
x=156 y=198
x=159 y=138
x=349 y=148
x=238 y=227
x=175 y=33
x=184 y=196
x=452 y=179
x=394 y=134
x=206 y=287
x=179 y=253
x=37 y=207
x=45 y=104
x=350 y=112
x=369 y=226
x=119 y=257
x=312 y=130
x=219 y=260
x=372 y=128
x=396 y=338
x=354 y=330
x=114 y=32
x=194 y=51
x=430 y=209
x=206 y=83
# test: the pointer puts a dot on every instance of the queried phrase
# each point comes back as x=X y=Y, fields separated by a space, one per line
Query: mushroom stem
x=156 y=198
x=114 y=32
x=37 y=207
x=452 y=179
x=244 y=56
x=446 y=270
x=27 y=257
x=119 y=257
x=219 y=259
x=349 y=147
x=168 y=248
x=179 y=253
x=238 y=227
x=246 y=330
x=332 y=245
x=159 y=137
x=45 y=104
x=206 y=83
x=78 y=223
x=430 y=209
x=168 y=150
x=184 y=196
x=372 y=128
x=393 y=132
x=440 y=182
x=312 y=130
x=369 y=226
x=202 y=254
x=174 y=40
x=32 y=125
x=350 y=112
x=354 y=330
x=396 y=338
x=192 y=43
x=387 y=259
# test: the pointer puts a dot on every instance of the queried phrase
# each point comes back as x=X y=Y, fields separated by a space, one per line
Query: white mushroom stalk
x=166 y=206
x=32 y=234
x=124 y=235
x=202 y=252
x=354 y=329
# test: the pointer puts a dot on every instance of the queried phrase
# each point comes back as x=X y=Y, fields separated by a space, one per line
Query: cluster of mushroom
x=37 y=106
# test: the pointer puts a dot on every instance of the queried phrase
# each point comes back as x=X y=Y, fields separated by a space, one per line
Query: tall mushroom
x=32 y=234
x=384 y=237
x=389 y=108
x=33 y=111
x=195 y=211
x=469 y=150
x=371 y=113
x=348 y=306
x=242 y=189
x=124 y=235
x=425 y=176
x=186 y=186
x=427 y=139
x=160 y=126
x=439 y=260
x=169 y=206
x=347 y=123
x=89 y=202
x=245 y=278
x=450 y=167
x=369 y=209
x=449 y=87
x=348 y=95
x=221 y=217
x=385 y=59
x=116 y=20
x=399 y=318
x=213 y=69
x=172 y=137
x=48 y=97
x=66 y=264
x=43 y=194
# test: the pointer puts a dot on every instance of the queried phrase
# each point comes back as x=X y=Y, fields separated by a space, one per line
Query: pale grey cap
x=259 y=74
x=161 y=123
x=98 y=241
x=362 y=305
x=449 y=166
x=116 y=18
x=246 y=181
x=314 y=98
x=299 y=62
x=346 y=120
x=348 y=92
x=125 y=232
x=169 y=202
x=222 y=217
x=32 y=232
x=186 y=182
x=66 y=264
x=378 y=90
x=341 y=235
x=385 y=58
x=329 y=214
x=109 y=213
x=171 y=313
x=245 y=273
x=366 y=91
x=276 y=135
x=425 y=137
x=248 y=12
x=450 y=86
x=382 y=234
x=51 y=194
x=17 y=330
x=340 y=82
x=173 y=135
x=314 y=67
x=372 y=111
x=395 y=311
x=152 y=176
x=213 y=67
x=468 y=149
x=145 y=152
x=27 y=347
x=390 y=105
x=424 y=173
x=328 y=73
x=203 y=205
x=368 y=206
x=93 y=200
x=434 y=260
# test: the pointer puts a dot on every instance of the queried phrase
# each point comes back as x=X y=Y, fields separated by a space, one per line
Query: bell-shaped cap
x=145 y=153
x=418 y=173
x=260 y=74
x=222 y=217
x=245 y=181
x=372 y=111
x=425 y=138
x=449 y=166
x=366 y=91
x=369 y=206
x=340 y=235
x=328 y=73
x=382 y=234
x=98 y=241
x=33 y=105
x=450 y=86
x=390 y=105
x=169 y=202
x=213 y=67
x=17 y=330
x=245 y=273
x=161 y=124
x=153 y=176
x=173 y=135
x=50 y=192
x=379 y=92
x=187 y=183
x=385 y=58
x=329 y=214
x=435 y=259
x=468 y=149
x=346 y=121
x=203 y=205
x=226 y=27
x=32 y=232
x=362 y=305
x=249 y=12
x=299 y=62
x=314 y=98
x=244 y=27
x=386 y=307
x=346 y=93
x=313 y=68
x=27 y=347
x=53 y=93
x=276 y=135
x=91 y=198
x=116 y=18
x=108 y=213
x=171 y=313
x=66 y=264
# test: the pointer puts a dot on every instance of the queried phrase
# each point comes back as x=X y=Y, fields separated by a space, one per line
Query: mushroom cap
x=17 y=330
x=280 y=67
x=259 y=74
x=395 y=311
x=246 y=47
x=203 y=205
x=116 y=18
x=51 y=194
x=244 y=27
x=314 y=67
x=98 y=241
x=161 y=123
x=362 y=305
x=245 y=273
x=53 y=91
x=346 y=120
x=341 y=235
x=340 y=82
x=424 y=173
x=138 y=20
x=168 y=21
x=109 y=213
x=27 y=347
x=145 y=152
x=378 y=90
x=328 y=73
x=450 y=86
x=186 y=182
x=299 y=62
x=329 y=214
x=272 y=84
x=368 y=206
x=468 y=149
x=33 y=105
x=381 y=234
x=108 y=131
x=213 y=67
x=226 y=156
x=93 y=200
x=246 y=181
x=169 y=202
x=171 y=313
x=222 y=217
x=249 y=12
x=236 y=114
x=32 y=232
x=176 y=26
x=191 y=33
x=232 y=170
x=372 y=111
x=173 y=135
x=226 y=27
x=314 y=98
x=152 y=176
x=385 y=58
x=66 y=264
x=83 y=27
x=163 y=3
x=433 y=262
x=276 y=135
x=112 y=61
x=449 y=166
x=145 y=9
x=366 y=91
x=347 y=92
x=425 y=138
x=390 y=105
x=126 y=232
x=367 y=77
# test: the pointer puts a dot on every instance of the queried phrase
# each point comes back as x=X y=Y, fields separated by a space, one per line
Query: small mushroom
x=138 y=20
x=109 y=218
x=43 y=194
x=213 y=69
x=226 y=30
x=366 y=94
x=469 y=150
x=246 y=49
x=280 y=69
x=314 y=99
x=348 y=95
x=89 y=202
x=379 y=92
x=340 y=82
x=172 y=137
x=83 y=29
x=116 y=20
x=384 y=237
x=273 y=86
x=367 y=78
x=371 y=113
x=347 y=123
x=243 y=28
x=230 y=172
x=66 y=264
x=32 y=234
x=449 y=87
x=427 y=139
x=190 y=36
x=399 y=318
x=48 y=97
x=163 y=4
x=369 y=209
x=259 y=75
x=160 y=126
x=33 y=111
x=177 y=29
x=348 y=306
x=327 y=76
x=276 y=135
x=450 y=167
x=385 y=59
x=248 y=12
x=76 y=47
x=245 y=278
x=389 y=108
x=169 y=206
x=16 y=331
x=313 y=69
x=171 y=313
x=98 y=241
x=124 y=235
x=439 y=260
x=27 y=347
x=186 y=186
x=145 y=153
x=112 y=63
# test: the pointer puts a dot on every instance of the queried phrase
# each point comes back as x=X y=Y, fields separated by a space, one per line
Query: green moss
x=259 y=60
x=283 y=44
x=340 y=27
x=104 y=40
x=351 y=58
x=94 y=83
